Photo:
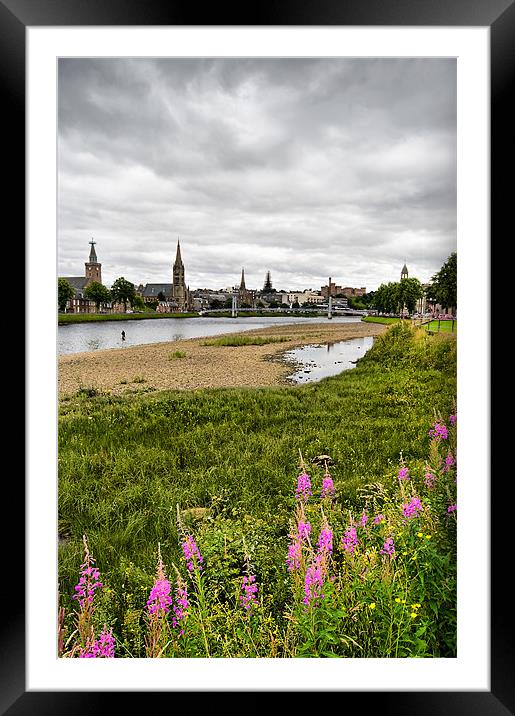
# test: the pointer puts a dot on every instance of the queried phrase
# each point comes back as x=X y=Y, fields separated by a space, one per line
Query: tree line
x=394 y=297
x=122 y=291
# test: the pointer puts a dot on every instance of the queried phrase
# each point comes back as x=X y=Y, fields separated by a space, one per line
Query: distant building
x=307 y=296
x=346 y=291
x=92 y=272
x=152 y=292
x=180 y=292
x=404 y=272
x=244 y=295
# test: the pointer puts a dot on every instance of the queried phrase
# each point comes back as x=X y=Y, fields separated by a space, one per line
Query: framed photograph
x=452 y=98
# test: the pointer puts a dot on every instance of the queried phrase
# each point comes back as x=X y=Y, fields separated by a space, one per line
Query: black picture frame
x=499 y=16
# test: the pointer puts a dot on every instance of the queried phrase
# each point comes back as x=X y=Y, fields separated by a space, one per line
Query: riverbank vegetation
x=244 y=340
x=64 y=318
x=316 y=520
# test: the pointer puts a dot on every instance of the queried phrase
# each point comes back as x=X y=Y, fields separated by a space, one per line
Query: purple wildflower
x=452 y=508
x=438 y=431
x=452 y=419
x=249 y=588
x=403 y=474
x=294 y=555
x=429 y=479
x=314 y=582
x=304 y=530
x=325 y=541
x=101 y=648
x=105 y=644
x=363 y=519
x=350 y=540
x=88 y=582
x=388 y=547
x=303 y=491
x=378 y=519
x=295 y=547
x=327 y=486
x=449 y=462
x=181 y=604
x=192 y=554
x=159 y=599
x=412 y=508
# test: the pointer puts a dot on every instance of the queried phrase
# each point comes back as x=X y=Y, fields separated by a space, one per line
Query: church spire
x=92 y=253
x=242 y=284
x=178 y=259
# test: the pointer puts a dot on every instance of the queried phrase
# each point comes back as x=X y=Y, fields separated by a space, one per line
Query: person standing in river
x=123 y=335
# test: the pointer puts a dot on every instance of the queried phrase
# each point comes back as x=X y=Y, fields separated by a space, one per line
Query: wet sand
x=152 y=366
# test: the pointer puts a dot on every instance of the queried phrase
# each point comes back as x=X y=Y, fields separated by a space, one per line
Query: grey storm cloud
x=304 y=167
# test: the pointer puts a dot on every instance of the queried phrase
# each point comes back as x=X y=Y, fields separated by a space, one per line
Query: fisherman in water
x=123 y=335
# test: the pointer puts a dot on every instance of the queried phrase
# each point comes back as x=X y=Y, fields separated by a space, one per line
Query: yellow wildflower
x=372 y=606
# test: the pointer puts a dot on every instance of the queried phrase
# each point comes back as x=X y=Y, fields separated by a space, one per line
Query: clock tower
x=93 y=268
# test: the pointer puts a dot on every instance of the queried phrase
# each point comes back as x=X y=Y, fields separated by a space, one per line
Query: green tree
x=409 y=291
x=97 y=292
x=123 y=291
x=386 y=298
x=138 y=303
x=65 y=292
x=444 y=284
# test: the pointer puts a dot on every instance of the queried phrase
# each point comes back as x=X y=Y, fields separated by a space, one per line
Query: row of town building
x=177 y=296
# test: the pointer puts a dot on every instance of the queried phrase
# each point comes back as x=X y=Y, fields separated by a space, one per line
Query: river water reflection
x=100 y=335
x=314 y=362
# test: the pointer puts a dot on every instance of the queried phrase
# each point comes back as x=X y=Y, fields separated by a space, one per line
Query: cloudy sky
x=308 y=168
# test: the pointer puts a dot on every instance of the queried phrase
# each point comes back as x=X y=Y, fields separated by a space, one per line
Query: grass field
x=226 y=461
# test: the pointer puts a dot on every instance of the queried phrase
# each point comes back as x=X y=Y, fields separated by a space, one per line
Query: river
x=100 y=335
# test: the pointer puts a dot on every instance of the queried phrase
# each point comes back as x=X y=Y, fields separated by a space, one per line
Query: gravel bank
x=152 y=366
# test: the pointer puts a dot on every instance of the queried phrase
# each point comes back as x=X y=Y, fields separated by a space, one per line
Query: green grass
x=64 y=318
x=380 y=319
x=177 y=354
x=244 y=340
x=126 y=462
x=445 y=326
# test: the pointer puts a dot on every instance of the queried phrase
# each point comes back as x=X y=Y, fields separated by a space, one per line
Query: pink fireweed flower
x=327 y=486
x=378 y=519
x=159 y=599
x=89 y=582
x=294 y=555
x=350 y=540
x=105 y=644
x=101 y=648
x=181 y=604
x=363 y=519
x=304 y=530
x=314 y=582
x=249 y=587
x=295 y=547
x=388 y=547
x=452 y=508
x=303 y=491
x=452 y=419
x=429 y=479
x=192 y=554
x=449 y=462
x=325 y=541
x=403 y=474
x=412 y=508
x=438 y=431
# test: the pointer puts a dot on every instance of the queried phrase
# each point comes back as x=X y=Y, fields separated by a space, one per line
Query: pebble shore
x=153 y=367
